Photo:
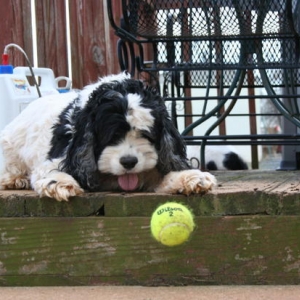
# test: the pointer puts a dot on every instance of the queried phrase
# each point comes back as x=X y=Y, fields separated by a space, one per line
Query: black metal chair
x=220 y=47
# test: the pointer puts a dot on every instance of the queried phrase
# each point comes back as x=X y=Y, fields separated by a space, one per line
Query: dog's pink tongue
x=128 y=182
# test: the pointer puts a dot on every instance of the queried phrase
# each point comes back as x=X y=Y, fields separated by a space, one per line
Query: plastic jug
x=44 y=76
x=16 y=92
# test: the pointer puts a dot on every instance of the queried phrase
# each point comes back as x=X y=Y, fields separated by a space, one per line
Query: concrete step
x=153 y=293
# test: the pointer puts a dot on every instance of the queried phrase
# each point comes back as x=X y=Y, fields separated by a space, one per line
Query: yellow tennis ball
x=172 y=223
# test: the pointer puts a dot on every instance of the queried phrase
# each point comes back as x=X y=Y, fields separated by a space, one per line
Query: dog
x=114 y=135
x=217 y=157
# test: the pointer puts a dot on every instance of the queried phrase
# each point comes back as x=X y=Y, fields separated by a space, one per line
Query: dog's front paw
x=60 y=190
x=187 y=182
x=196 y=182
x=17 y=182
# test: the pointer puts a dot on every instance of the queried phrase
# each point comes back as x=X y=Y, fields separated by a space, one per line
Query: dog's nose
x=128 y=162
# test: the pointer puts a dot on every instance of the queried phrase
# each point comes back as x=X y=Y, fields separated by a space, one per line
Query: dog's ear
x=168 y=142
x=172 y=149
x=80 y=161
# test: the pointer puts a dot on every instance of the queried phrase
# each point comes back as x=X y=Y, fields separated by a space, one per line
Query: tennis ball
x=171 y=224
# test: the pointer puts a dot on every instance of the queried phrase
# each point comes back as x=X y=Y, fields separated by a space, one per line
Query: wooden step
x=247 y=232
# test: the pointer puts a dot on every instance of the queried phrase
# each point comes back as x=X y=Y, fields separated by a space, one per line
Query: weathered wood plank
x=247 y=233
x=238 y=193
x=16 y=28
x=279 y=182
x=100 y=250
x=88 y=43
x=117 y=205
x=112 y=62
x=51 y=36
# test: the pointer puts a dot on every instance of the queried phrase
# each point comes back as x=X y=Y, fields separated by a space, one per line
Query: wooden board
x=93 y=46
x=238 y=193
x=52 y=36
x=16 y=28
x=93 y=42
x=247 y=232
x=114 y=251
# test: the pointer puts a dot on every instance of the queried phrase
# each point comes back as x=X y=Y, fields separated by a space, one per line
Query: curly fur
x=115 y=135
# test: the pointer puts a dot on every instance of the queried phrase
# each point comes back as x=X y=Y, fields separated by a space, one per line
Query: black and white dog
x=115 y=135
x=217 y=157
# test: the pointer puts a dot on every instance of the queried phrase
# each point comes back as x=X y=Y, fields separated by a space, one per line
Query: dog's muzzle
x=128 y=182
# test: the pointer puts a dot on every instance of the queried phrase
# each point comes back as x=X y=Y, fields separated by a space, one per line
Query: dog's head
x=123 y=129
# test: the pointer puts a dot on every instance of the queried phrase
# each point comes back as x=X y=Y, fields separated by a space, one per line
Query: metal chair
x=220 y=47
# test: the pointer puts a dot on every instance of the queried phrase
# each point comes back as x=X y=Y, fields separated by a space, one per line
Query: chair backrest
x=215 y=52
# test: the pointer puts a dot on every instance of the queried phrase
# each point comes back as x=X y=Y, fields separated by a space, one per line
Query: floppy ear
x=80 y=161
x=172 y=150
x=168 y=142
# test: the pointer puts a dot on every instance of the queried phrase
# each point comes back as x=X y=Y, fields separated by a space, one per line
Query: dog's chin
x=128 y=182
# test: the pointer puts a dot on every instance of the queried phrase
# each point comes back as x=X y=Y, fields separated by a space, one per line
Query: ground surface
x=149 y=293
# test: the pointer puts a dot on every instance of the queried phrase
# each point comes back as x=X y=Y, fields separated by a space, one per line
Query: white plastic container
x=44 y=76
x=16 y=93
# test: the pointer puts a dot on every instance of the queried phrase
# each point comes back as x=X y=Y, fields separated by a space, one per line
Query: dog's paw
x=60 y=190
x=187 y=182
x=10 y=182
x=196 y=182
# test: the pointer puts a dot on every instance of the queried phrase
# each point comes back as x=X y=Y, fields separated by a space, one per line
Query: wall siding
x=93 y=43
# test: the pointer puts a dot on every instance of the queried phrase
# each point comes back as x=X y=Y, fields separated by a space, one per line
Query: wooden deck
x=247 y=233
